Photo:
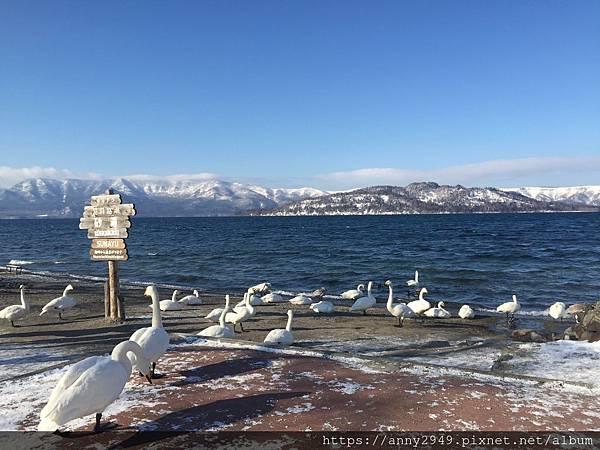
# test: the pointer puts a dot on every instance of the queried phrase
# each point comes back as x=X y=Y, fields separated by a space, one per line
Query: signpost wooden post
x=107 y=222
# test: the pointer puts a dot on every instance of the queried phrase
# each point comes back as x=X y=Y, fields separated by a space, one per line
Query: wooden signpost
x=107 y=223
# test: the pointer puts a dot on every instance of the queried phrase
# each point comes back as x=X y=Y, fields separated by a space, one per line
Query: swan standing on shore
x=439 y=312
x=353 y=294
x=399 y=310
x=509 y=308
x=421 y=305
x=243 y=314
x=191 y=300
x=281 y=336
x=170 y=305
x=91 y=385
x=60 y=304
x=15 y=312
x=558 y=310
x=215 y=314
x=466 y=312
x=414 y=282
x=221 y=330
x=364 y=303
x=153 y=340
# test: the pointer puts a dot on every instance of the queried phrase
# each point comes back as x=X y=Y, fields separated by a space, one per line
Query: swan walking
x=191 y=300
x=281 y=336
x=15 y=312
x=399 y=310
x=242 y=315
x=301 y=300
x=153 y=340
x=421 y=305
x=558 y=311
x=353 y=294
x=364 y=303
x=415 y=281
x=466 y=312
x=61 y=303
x=323 y=307
x=222 y=330
x=509 y=308
x=438 y=312
x=91 y=385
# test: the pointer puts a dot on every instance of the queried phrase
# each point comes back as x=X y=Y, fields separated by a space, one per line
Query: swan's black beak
x=149 y=379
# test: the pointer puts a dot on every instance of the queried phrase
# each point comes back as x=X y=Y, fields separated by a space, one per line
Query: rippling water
x=479 y=258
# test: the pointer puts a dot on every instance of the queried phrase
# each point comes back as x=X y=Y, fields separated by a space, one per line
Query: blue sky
x=335 y=94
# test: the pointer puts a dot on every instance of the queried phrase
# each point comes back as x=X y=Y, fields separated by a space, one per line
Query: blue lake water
x=477 y=258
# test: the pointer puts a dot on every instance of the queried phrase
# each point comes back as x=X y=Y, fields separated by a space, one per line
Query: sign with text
x=109 y=254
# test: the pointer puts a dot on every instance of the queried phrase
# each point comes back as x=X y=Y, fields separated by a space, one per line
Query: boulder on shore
x=588 y=328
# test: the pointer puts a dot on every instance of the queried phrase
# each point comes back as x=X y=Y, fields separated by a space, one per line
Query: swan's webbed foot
x=242 y=327
x=99 y=428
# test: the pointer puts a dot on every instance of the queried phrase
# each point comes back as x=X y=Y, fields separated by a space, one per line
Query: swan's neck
x=222 y=316
x=24 y=302
x=119 y=354
x=369 y=288
x=66 y=291
x=421 y=294
x=440 y=305
x=174 y=296
x=288 y=327
x=156 y=318
x=416 y=276
x=360 y=288
x=226 y=301
x=196 y=294
x=390 y=299
x=514 y=299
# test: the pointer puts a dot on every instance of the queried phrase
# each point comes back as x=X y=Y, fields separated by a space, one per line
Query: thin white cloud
x=551 y=171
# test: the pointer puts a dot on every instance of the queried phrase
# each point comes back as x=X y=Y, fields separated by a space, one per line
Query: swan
x=154 y=340
x=222 y=330
x=170 y=305
x=255 y=300
x=558 y=310
x=191 y=300
x=466 y=312
x=60 y=304
x=261 y=288
x=281 y=336
x=399 y=310
x=323 y=307
x=438 y=312
x=510 y=308
x=317 y=293
x=215 y=314
x=301 y=300
x=242 y=315
x=415 y=281
x=364 y=303
x=421 y=305
x=91 y=385
x=272 y=298
x=15 y=312
x=353 y=294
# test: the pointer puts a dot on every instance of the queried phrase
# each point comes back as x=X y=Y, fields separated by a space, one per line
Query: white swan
x=364 y=303
x=154 y=340
x=89 y=386
x=255 y=300
x=558 y=310
x=242 y=315
x=222 y=330
x=421 y=305
x=15 y=312
x=170 y=305
x=438 y=312
x=261 y=288
x=415 y=281
x=466 y=312
x=272 y=298
x=61 y=303
x=399 y=310
x=301 y=300
x=215 y=314
x=323 y=307
x=353 y=294
x=191 y=300
x=509 y=307
x=281 y=336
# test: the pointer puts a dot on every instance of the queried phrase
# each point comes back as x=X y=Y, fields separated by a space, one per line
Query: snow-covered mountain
x=587 y=195
x=43 y=197
x=419 y=198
